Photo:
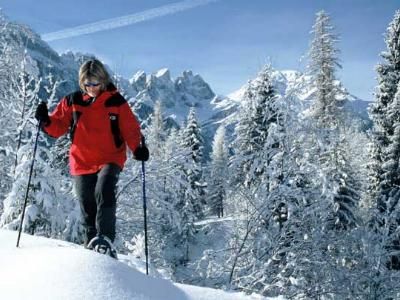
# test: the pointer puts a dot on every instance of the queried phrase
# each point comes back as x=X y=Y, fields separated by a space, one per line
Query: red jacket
x=100 y=130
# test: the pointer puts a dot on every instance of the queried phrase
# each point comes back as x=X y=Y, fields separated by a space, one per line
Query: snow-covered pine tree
x=320 y=254
x=25 y=87
x=156 y=134
x=180 y=193
x=251 y=131
x=388 y=80
x=164 y=186
x=328 y=112
x=193 y=141
x=324 y=61
x=269 y=194
x=217 y=182
x=373 y=172
x=240 y=163
x=326 y=183
x=390 y=184
x=13 y=64
x=345 y=185
x=333 y=213
x=256 y=114
x=46 y=212
x=385 y=135
x=22 y=96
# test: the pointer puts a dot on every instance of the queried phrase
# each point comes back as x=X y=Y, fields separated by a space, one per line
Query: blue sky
x=226 y=41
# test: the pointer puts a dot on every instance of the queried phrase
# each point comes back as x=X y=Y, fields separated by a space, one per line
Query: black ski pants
x=96 y=195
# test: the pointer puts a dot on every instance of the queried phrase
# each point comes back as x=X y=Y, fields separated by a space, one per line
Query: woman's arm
x=130 y=127
x=60 y=119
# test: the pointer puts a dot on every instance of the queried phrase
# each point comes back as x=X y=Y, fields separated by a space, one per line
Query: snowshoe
x=103 y=245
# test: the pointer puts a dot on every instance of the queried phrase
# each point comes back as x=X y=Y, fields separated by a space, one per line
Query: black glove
x=42 y=114
x=141 y=153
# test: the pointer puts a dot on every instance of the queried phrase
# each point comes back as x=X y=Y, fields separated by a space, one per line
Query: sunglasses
x=89 y=84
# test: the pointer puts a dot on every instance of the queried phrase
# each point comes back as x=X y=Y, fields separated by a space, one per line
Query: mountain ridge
x=177 y=95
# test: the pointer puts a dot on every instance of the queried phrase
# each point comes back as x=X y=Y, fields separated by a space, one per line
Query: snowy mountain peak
x=160 y=79
x=187 y=73
x=298 y=85
x=295 y=82
x=194 y=85
x=138 y=77
x=163 y=74
x=176 y=95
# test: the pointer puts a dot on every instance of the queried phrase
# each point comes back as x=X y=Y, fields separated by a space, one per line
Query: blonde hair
x=93 y=70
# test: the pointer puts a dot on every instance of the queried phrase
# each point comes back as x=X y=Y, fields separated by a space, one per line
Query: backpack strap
x=113 y=103
x=75 y=98
x=114 y=123
x=75 y=118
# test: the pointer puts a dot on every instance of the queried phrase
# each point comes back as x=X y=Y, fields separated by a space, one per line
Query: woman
x=101 y=124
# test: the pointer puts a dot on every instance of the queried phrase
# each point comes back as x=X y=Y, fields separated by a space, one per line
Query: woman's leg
x=105 y=189
x=85 y=186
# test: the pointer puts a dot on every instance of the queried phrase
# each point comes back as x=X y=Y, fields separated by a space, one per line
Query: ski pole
x=29 y=183
x=146 y=250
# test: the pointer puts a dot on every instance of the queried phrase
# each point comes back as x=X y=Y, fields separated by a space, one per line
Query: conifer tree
x=251 y=132
x=388 y=81
x=267 y=192
x=156 y=133
x=241 y=161
x=323 y=178
x=217 y=181
x=180 y=193
x=324 y=61
x=384 y=114
x=192 y=140
x=50 y=210
x=383 y=111
x=18 y=76
x=339 y=186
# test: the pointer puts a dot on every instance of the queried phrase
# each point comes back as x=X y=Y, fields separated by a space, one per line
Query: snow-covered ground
x=50 y=269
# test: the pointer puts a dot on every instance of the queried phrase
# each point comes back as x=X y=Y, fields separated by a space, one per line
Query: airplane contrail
x=124 y=20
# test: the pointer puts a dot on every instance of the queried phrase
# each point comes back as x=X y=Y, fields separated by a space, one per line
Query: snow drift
x=49 y=269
